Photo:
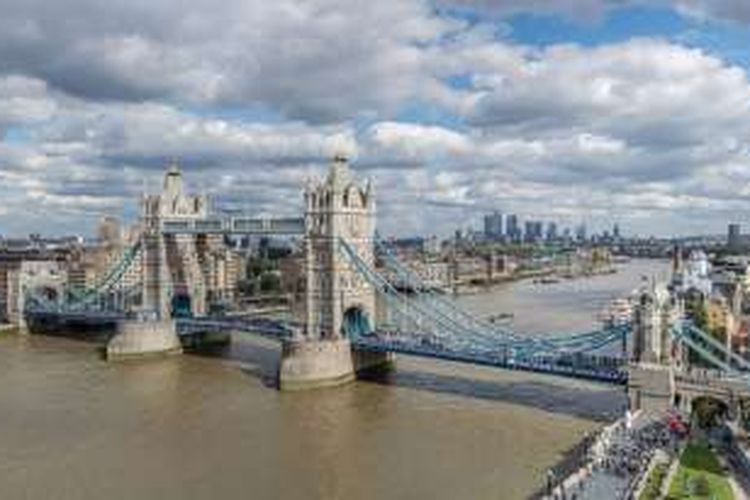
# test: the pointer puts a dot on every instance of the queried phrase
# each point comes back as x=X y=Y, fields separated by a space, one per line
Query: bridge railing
x=571 y=342
x=728 y=365
x=105 y=295
x=439 y=324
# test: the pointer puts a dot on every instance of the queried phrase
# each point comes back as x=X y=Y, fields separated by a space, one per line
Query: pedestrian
x=550 y=481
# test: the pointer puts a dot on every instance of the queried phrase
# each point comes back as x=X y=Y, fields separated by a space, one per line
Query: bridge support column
x=137 y=339
x=312 y=364
x=650 y=388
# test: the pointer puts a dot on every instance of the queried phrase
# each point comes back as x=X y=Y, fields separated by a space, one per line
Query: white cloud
x=253 y=97
x=730 y=10
x=23 y=101
x=321 y=61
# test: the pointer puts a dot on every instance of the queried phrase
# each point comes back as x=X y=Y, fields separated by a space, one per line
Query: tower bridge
x=355 y=318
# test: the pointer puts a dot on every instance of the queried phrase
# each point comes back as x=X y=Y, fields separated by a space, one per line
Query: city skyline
x=582 y=111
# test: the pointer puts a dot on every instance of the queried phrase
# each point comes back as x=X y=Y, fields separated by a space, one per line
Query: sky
x=594 y=111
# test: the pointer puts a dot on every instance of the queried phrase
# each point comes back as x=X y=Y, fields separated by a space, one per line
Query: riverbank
x=539 y=276
x=616 y=463
x=8 y=329
x=570 y=463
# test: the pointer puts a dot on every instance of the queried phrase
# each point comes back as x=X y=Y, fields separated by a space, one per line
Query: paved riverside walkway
x=617 y=460
x=736 y=457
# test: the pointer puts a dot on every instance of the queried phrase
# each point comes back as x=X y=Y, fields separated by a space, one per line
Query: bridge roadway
x=185 y=326
x=279 y=330
x=611 y=375
x=696 y=383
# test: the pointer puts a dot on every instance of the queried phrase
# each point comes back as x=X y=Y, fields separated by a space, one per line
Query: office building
x=493 y=226
x=734 y=237
x=534 y=231
x=512 y=229
x=551 y=231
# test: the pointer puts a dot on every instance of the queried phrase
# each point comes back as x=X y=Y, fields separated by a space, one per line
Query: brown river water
x=212 y=426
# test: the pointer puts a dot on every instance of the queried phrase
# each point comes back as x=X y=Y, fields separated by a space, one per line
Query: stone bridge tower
x=656 y=312
x=651 y=385
x=337 y=210
x=171 y=263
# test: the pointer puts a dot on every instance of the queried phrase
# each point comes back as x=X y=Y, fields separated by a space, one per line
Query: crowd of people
x=614 y=462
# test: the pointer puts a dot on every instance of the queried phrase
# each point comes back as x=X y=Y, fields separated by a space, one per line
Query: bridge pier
x=143 y=338
x=650 y=388
x=312 y=364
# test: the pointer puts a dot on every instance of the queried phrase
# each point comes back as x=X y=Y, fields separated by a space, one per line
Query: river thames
x=197 y=426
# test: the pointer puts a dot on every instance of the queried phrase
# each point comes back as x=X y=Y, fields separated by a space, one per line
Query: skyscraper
x=493 y=226
x=551 y=231
x=512 y=229
x=734 y=237
x=534 y=231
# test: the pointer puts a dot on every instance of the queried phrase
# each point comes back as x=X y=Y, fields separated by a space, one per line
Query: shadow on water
x=95 y=336
x=256 y=358
x=259 y=359
x=581 y=402
x=99 y=335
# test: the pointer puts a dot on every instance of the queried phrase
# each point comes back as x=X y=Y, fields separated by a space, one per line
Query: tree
x=707 y=411
x=270 y=282
x=699 y=314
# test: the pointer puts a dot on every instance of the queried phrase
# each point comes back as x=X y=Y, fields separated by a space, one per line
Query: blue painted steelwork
x=609 y=369
x=414 y=281
x=423 y=290
x=273 y=329
x=712 y=351
x=81 y=298
x=688 y=330
x=356 y=323
x=102 y=302
x=181 y=306
x=429 y=324
x=426 y=324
